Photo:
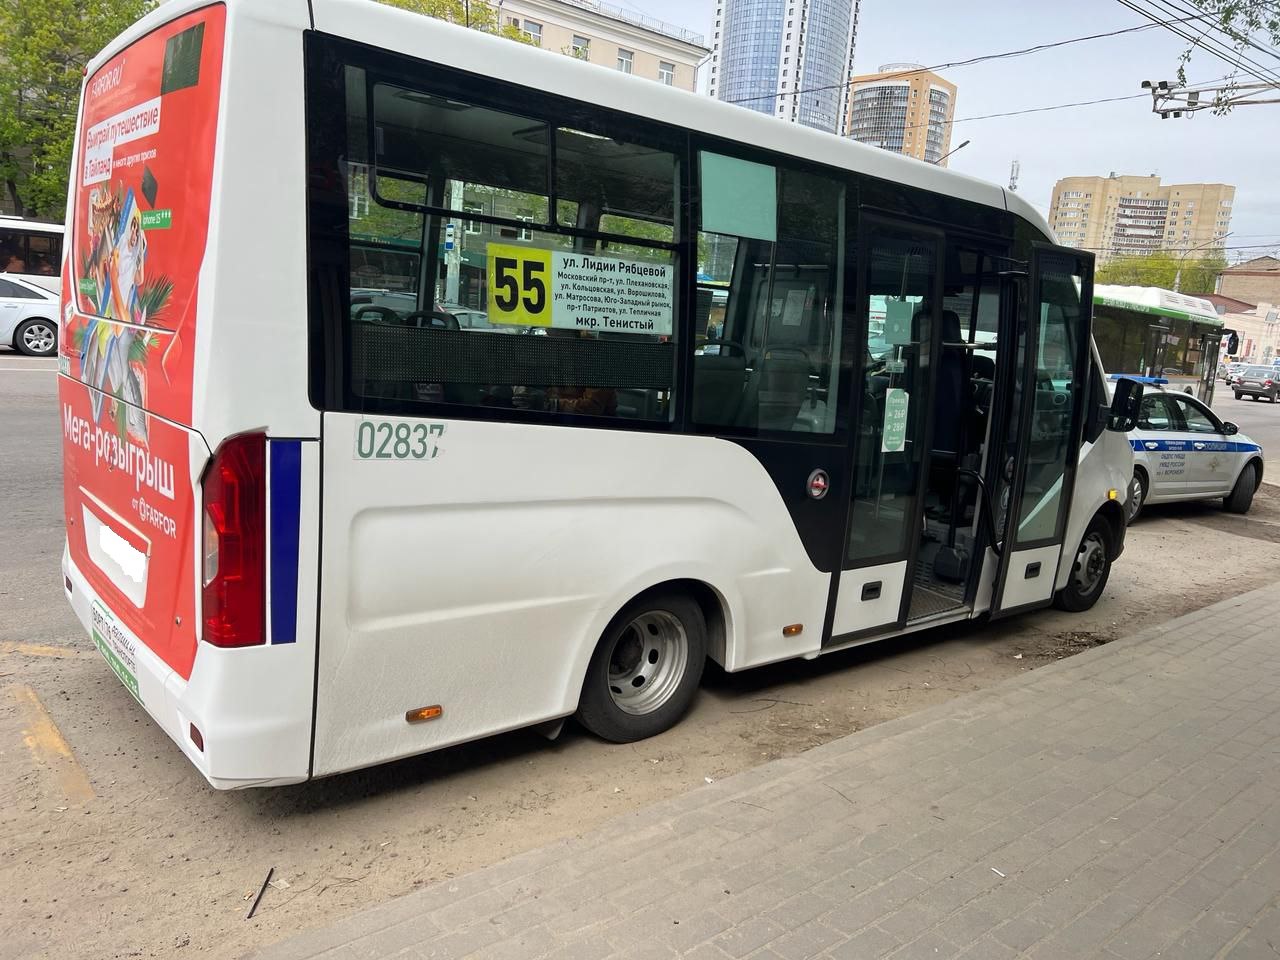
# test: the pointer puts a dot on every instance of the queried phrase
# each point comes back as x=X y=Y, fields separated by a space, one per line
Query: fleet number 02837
x=381 y=440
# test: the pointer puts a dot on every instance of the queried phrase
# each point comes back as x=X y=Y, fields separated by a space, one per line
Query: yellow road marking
x=49 y=748
x=43 y=650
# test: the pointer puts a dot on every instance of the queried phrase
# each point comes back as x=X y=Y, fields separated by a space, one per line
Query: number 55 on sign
x=519 y=285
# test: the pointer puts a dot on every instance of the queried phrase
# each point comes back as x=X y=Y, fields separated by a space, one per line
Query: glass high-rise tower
x=791 y=59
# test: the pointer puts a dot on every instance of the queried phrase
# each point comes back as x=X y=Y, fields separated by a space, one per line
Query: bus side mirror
x=1125 y=403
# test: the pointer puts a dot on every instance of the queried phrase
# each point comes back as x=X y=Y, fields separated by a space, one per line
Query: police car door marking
x=1215 y=446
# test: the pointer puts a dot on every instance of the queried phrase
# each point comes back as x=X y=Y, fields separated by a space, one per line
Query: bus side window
x=775 y=238
x=462 y=291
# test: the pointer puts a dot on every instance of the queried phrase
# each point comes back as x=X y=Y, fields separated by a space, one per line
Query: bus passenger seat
x=981 y=382
x=780 y=387
x=717 y=388
x=637 y=404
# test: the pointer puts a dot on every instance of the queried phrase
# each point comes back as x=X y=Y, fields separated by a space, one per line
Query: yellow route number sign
x=519 y=285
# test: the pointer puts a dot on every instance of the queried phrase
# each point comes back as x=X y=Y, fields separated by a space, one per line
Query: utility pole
x=1177 y=277
x=1171 y=100
x=453 y=246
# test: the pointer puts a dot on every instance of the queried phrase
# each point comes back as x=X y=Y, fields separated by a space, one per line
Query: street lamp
x=950 y=152
x=1177 y=277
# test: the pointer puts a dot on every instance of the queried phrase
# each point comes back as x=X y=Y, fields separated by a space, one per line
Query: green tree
x=476 y=14
x=1247 y=25
x=45 y=48
x=1159 y=269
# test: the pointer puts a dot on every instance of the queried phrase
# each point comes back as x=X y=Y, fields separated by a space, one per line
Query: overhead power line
x=1245 y=246
x=1055 y=106
x=1008 y=54
x=1241 y=38
x=1235 y=59
x=1018 y=113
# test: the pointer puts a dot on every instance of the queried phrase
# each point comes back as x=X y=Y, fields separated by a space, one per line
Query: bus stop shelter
x=1153 y=332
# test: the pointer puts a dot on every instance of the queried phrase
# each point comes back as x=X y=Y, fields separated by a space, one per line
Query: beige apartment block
x=904 y=108
x=610 y=36
x=1117 y=216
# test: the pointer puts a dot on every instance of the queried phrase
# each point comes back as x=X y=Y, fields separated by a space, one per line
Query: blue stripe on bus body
x=285 y=495
x=1189 y=446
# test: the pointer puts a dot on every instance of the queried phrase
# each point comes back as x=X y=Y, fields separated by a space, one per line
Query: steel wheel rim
x=1091 y=561
x=38 y=337
x=1135 y=497
x=647 y=662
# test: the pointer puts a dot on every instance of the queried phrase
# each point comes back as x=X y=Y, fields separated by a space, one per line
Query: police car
x=1182 y=451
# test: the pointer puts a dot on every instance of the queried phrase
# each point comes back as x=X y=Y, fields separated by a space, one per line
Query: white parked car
x=1182 y=451
x=28 y=317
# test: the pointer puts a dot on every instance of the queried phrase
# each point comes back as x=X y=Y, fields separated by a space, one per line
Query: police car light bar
x=1138 y=379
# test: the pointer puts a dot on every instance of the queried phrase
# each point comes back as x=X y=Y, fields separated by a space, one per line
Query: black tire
x=1091 y=570
x=1241 y=497
x=620 y=660
x=1237 y=393
x=1137 y=495
x=36 y=338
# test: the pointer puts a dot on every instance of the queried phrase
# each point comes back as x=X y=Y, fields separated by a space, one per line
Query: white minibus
x=313 y=529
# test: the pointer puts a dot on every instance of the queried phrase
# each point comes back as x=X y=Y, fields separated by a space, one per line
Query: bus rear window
x=464 y=288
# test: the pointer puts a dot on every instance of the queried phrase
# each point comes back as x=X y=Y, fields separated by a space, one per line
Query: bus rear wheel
x=645 y=671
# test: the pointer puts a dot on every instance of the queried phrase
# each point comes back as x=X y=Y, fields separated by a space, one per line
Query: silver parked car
x=1255 y=382
x=28 y=317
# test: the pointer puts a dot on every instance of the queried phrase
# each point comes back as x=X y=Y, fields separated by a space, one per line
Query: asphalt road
x=1259 y=420
x=113 y=846
x=31 y=501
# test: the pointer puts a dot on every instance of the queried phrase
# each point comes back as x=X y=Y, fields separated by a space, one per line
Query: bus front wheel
x=645 y=671
x=1090 y=571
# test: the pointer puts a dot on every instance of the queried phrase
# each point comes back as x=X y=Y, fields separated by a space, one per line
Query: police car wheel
x=1090 y=571
x=1137 y=495
x=644 y=673
x=1241 y=497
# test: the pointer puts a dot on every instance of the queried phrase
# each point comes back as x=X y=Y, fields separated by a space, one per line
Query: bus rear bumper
x=250 y=738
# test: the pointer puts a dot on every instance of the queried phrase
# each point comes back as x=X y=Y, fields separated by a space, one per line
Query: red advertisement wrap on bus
x=141 y=195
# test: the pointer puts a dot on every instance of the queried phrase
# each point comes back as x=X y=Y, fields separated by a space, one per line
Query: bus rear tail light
x=235 y=535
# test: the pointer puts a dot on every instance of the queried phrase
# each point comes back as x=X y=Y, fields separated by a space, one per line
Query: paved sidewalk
x=1124 y=803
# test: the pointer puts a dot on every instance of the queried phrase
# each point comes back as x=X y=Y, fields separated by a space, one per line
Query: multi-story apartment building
x=1124 y=215
x=610 y=35
x=791 y=59
x=904 y=108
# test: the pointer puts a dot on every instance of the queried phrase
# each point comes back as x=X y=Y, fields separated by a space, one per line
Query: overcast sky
x=1242 y=148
